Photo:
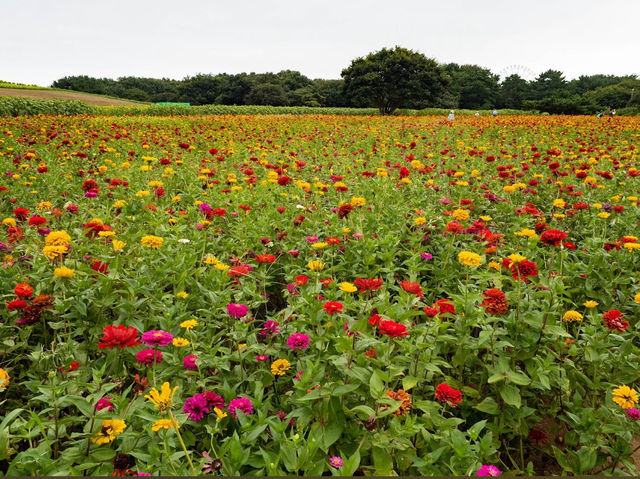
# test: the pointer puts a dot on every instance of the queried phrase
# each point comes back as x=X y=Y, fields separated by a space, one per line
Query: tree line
x=387 y=79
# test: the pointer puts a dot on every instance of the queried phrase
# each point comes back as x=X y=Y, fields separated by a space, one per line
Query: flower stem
x=184 y=448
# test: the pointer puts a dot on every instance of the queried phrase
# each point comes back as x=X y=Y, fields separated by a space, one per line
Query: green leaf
x=488 y=405
x=511 y=395
x=408 y=382
x=382 y=461
x=474 y=431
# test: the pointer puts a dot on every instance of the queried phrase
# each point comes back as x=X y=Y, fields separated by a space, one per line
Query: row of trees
x=387 y=79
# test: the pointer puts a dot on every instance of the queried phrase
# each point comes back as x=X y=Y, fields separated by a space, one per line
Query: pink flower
x=156 y=338
x=103 y=403
x=336 y=461
x=214 y=399
x=196 y=406
x=298 y=341
x=262 y=357
x=488 y=471
x=632 y=413
x=241 y=403
x=146 y=357
x=189 y=362
x=236 y=310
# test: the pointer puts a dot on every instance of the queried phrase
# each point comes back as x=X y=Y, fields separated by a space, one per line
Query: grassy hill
x=43 y=93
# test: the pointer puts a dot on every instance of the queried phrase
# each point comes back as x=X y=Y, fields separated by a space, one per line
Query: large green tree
x=513 y=91
x=474 y=86
x=390 y=79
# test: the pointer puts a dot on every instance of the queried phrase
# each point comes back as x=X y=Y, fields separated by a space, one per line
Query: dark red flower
x=495 y=302
x=445 y=393
x=524 y=269
x=21 y=213
x=16 y=304
x=122 y=336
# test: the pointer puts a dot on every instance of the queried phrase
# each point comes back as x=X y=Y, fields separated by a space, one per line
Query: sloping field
x=64 y=95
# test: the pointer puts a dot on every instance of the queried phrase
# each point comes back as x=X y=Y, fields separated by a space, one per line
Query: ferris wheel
x=520 y=70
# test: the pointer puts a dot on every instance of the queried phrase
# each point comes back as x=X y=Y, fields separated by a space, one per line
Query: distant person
x=451 y=116
x=599 y=115
x=495 y=112
x=612 y=112
x=477 y=114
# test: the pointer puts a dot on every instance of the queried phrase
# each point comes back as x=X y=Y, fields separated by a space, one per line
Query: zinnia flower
x=104 y=403
x=122 y=336
x=613 y=320
x=553 y=237
x=392 y=329
x=243 y=404
x=445 y=393
x=469 y=259
x=632 y=413
x=111 y=428
x=279 y=367
x=488 y=471
x=196 y=406
x=332 y=307
x=23 y=291
x=162 y=399
x=151 y=241
x=412 y=288
x=146 y=357
x=63 y=272
x=625 y=397
x=404 y=397
x=336 y=462
x=163 y=424
x=4 y=378
x=189 y=362
x=495 y=302
x=156 y=338
x=571 y=316
x=298 y=341
x=236 y=310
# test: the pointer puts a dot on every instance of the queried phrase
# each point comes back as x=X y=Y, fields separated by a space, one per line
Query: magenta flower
x=298 y=341
x=336 y=461
x=270 y=327
x=156 y=338
x=241 y=403
x=189 y=362
x=632 y=413
x=146 y=357
x=214 y=400
x=262 y=357
x=196 y=406
x=236 y=310
x=488 y=471
x=104 y=403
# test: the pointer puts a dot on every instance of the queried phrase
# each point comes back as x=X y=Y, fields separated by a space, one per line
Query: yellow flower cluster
x=469 y=259
x=460 y=215
x=151 y=241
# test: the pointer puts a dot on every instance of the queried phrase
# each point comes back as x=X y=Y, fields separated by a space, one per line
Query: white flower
x=184 y=241
x=300 y=207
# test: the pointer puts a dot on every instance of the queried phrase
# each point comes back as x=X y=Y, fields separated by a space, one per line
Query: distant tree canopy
x=387 y=79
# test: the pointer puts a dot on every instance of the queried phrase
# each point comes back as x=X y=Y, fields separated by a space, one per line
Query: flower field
x=319 y=295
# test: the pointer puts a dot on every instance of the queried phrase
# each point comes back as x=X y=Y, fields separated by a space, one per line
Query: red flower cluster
x=368 y=284
x=613 y=320
x=445 y=393
x=442 y=306
x=122 y=336
x=495 y=302
x=392 y=329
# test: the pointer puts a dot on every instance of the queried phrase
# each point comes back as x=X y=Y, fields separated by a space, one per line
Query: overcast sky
x=43 y=40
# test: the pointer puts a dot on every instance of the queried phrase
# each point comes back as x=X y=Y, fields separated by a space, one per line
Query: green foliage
x=17 y=106
x=473 y=86
x=391 y=79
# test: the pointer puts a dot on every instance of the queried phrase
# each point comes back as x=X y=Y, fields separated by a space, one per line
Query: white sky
x=43 y=40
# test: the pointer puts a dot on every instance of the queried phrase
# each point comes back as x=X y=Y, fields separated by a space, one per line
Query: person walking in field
x=477 y=114
x=495 y=112
x=451 y=116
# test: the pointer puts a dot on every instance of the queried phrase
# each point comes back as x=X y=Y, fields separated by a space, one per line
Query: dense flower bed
x=274 y=295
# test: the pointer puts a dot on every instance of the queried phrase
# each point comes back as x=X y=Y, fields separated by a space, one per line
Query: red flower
x=301 y=280
x=16 y=304
x=332 y=307
x=100 y=267
x=524 y=269
x=445 y=393
x=430 y=312
x=326 y=282
x=495 y=302
x=375 y=320
x=332 y=240
x=392 y=329
x=284 y=180
x=344 y=210
x=36 y=220
x=21 y=213
x=23 y=290
x=445 y=306
x=265 y=258
x=122 y=336
x=413 y=288
x=368 y=284
x=613 y=320
x=553 y=237
x=238 y=271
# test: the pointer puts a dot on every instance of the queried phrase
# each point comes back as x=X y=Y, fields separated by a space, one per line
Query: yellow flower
x=469 y=259
x=9 y=222
x=604 y=215
x=486 y=218
x=631 y=246
x=559 y=203
x=211 y=259
x=636 y=298
x=106 y=234
x=163 y=424
x=52 y=252
x=571 y=316
x=358 y=201
x=189 y=324
x=526 y=232
x=219 y=413
x=118 y=245
x=279 y=367
x=221 y=266
x=119 y=204
x=516 y=258
x=44 y=205
x=625 y=397
x=4 y=378
x=315 y=265
x=58 y=238
x=241 y=346
x=590 y=304
x=151 y=241
x=319 y=245
x=420 y=220
x=348 y=287
x=460 y=214
x=495 y=265
x=182 y=294
x=64 y=272
x=162 y=399
x=111 y=428
x=180 y=342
